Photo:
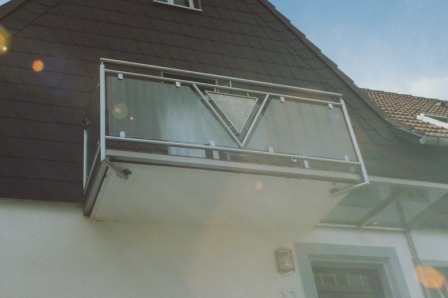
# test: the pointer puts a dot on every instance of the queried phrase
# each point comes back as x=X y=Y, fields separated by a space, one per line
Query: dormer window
x=190 y=4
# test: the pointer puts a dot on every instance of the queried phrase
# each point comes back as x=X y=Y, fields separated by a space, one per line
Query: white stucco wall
x=432 y=246
x=51 y=250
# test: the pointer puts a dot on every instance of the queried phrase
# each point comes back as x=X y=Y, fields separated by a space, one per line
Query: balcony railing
x=177 y=117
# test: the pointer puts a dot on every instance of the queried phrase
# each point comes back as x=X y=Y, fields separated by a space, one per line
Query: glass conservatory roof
x=392 y=206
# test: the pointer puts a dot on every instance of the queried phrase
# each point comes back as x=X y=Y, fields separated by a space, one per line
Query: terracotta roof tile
x=405 y=108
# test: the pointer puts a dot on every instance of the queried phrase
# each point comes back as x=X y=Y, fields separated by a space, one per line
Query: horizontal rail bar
x=119 y=156
x=222 y=87
x=355 y=227
x=416 y=183
x=205 y=147
x=188 y=72
x=348 y=189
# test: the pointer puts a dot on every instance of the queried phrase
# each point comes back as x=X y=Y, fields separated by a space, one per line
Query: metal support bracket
x=123 y=174
x=306 y=164
x=215 y=154
x=336 y=192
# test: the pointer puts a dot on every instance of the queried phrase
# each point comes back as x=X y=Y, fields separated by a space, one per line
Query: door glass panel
x=347 y=283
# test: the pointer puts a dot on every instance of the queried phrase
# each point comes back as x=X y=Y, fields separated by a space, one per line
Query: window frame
x=191 y=5
x=383 y=259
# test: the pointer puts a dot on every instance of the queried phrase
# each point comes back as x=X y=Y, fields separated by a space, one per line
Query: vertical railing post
x=355 y=143
x=84 y=162
x=102 y=112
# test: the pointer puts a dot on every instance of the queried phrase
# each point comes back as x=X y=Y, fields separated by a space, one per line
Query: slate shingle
x=42 y=113
x=11 y=187
x=14 y=23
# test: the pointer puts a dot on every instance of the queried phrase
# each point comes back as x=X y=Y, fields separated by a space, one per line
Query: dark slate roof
x=405 y=108
x=41 y=124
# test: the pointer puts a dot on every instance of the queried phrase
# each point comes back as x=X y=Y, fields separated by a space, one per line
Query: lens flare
x=37 y=65
x=4 y=40
x=120 y=111
x=259 y=186
x=429 y=277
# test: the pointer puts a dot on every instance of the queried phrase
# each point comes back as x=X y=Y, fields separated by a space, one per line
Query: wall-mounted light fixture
x=285 y=261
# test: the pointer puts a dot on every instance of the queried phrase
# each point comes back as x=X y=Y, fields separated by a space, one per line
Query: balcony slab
x=173 y=195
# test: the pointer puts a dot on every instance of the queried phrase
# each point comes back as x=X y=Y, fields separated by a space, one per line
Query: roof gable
x=43 y=112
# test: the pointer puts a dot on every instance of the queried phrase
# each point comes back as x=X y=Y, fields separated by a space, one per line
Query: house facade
x=165 y=148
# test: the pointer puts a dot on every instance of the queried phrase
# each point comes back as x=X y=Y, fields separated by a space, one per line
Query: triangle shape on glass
x=235 y=108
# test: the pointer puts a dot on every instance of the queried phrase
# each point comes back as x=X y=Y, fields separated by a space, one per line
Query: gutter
x=420 y=139
x=434 y=141
x=430 y=140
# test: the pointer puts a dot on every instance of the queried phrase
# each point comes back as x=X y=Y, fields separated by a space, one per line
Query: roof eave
x=406 y=134
x=434 y=141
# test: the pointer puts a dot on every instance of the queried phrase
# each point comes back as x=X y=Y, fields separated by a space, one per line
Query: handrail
x=104 y=136
x=328 y=167
x=188 y=72
x=221 y=87
x=228 y=149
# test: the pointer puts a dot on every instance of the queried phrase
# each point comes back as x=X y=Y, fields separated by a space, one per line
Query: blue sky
x=392 y=45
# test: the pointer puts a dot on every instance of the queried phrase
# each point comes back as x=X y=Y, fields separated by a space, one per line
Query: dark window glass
x=347 y=283
x=193 y=4
x=182 y=2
